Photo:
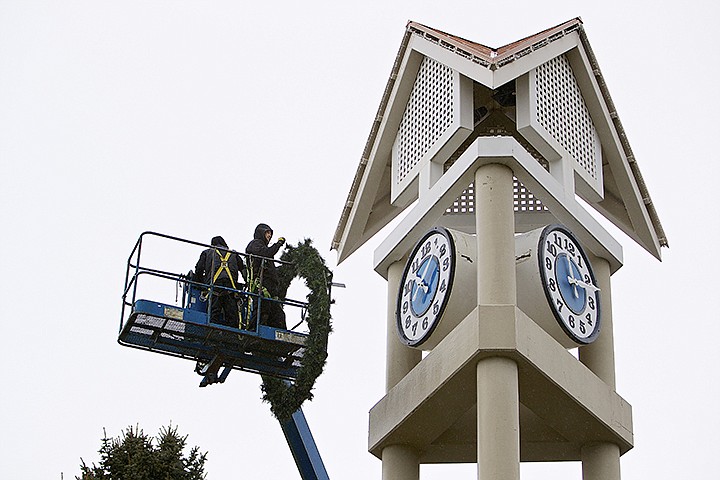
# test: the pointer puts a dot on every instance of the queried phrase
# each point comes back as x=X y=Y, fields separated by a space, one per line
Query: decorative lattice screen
x=562 y=112
x=523 y=201
x=428 y=115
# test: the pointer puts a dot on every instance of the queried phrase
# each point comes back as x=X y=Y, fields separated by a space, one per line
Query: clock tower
x=498 y=268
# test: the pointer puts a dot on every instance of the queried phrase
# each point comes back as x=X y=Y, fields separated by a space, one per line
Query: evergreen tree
x=136 y=456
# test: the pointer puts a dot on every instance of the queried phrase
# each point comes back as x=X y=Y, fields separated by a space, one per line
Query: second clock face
x=569 y=284
x=425 y=286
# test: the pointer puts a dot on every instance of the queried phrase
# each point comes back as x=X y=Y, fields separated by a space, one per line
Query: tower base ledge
x=563 y=405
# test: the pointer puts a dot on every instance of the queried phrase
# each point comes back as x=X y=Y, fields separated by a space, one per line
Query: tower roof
x=623 y=197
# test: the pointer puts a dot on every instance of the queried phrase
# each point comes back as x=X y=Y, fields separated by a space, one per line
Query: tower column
x=495 y=227
x=399 y=462
x=498 y=420
x=400 y=358
x=498 y=403
x=601 y=461
x=599 y=356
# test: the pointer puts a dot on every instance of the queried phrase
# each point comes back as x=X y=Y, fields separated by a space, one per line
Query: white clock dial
x=425 y=286
x=569 y=284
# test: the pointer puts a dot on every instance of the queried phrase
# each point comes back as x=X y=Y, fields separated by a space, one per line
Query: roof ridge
x=494 y=57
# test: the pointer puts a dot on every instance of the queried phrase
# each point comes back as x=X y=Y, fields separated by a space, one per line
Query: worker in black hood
x=220 y=267
x=262 y=270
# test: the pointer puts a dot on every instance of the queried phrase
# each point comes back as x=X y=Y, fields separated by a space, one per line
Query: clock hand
x=588 y=286
x=421 y=284
x=424 y=269
x=571 y=274
x=421 y=276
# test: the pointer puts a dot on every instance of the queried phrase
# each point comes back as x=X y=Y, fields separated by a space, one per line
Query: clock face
x=569 y=284
x=425 y=286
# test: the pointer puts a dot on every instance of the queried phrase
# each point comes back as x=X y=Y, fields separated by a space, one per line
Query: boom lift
x=183 y=329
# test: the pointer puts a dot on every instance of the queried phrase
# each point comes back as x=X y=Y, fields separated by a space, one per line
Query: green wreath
x=303 y=261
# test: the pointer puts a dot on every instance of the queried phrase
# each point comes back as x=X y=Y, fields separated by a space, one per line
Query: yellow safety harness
x=224 y=267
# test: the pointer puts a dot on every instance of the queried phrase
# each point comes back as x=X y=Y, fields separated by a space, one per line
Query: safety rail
x=182 y=327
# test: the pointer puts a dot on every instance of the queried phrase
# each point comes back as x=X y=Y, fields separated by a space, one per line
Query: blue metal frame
x=185 y=331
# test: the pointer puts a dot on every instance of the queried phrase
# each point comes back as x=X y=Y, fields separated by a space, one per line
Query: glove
x=281 y=241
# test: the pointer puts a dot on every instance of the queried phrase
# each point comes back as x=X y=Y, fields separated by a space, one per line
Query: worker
x=220 y=267
x=263 y=276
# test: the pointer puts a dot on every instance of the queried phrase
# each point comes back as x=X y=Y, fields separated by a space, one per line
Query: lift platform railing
x=183 y=327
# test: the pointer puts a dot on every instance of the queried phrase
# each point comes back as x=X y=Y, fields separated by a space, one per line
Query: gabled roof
x=626 y=201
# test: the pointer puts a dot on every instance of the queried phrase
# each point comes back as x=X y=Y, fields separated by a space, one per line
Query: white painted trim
x=504 y=150
x=502 y=75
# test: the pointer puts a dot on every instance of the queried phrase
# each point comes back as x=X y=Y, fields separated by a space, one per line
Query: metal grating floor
x=182 y=333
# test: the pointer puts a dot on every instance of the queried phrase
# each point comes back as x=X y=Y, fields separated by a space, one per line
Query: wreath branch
x=304 y=261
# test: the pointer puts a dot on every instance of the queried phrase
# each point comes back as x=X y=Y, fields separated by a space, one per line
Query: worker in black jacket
x=263 y=274
x=220 y=267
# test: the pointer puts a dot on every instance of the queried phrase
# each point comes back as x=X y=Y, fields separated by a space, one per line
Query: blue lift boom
x=303 y=448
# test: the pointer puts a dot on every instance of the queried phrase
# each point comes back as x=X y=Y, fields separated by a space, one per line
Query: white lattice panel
x=561 y=110
x=428 y=115
x=465 y=203
x=437 y=117
x=553 y=117
x=523 y=201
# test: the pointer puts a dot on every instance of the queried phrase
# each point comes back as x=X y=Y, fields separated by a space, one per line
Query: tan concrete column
x=498 y=404
x=498 y=422
x=495 y=224
x=599 y=356
x=400 y=358
x=600 y=461
x=399 y=462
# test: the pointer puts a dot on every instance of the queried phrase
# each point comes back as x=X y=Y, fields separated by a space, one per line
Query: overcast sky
x=199 y=118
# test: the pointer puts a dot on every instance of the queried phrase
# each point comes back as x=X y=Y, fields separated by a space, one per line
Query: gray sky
x=203 y=118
